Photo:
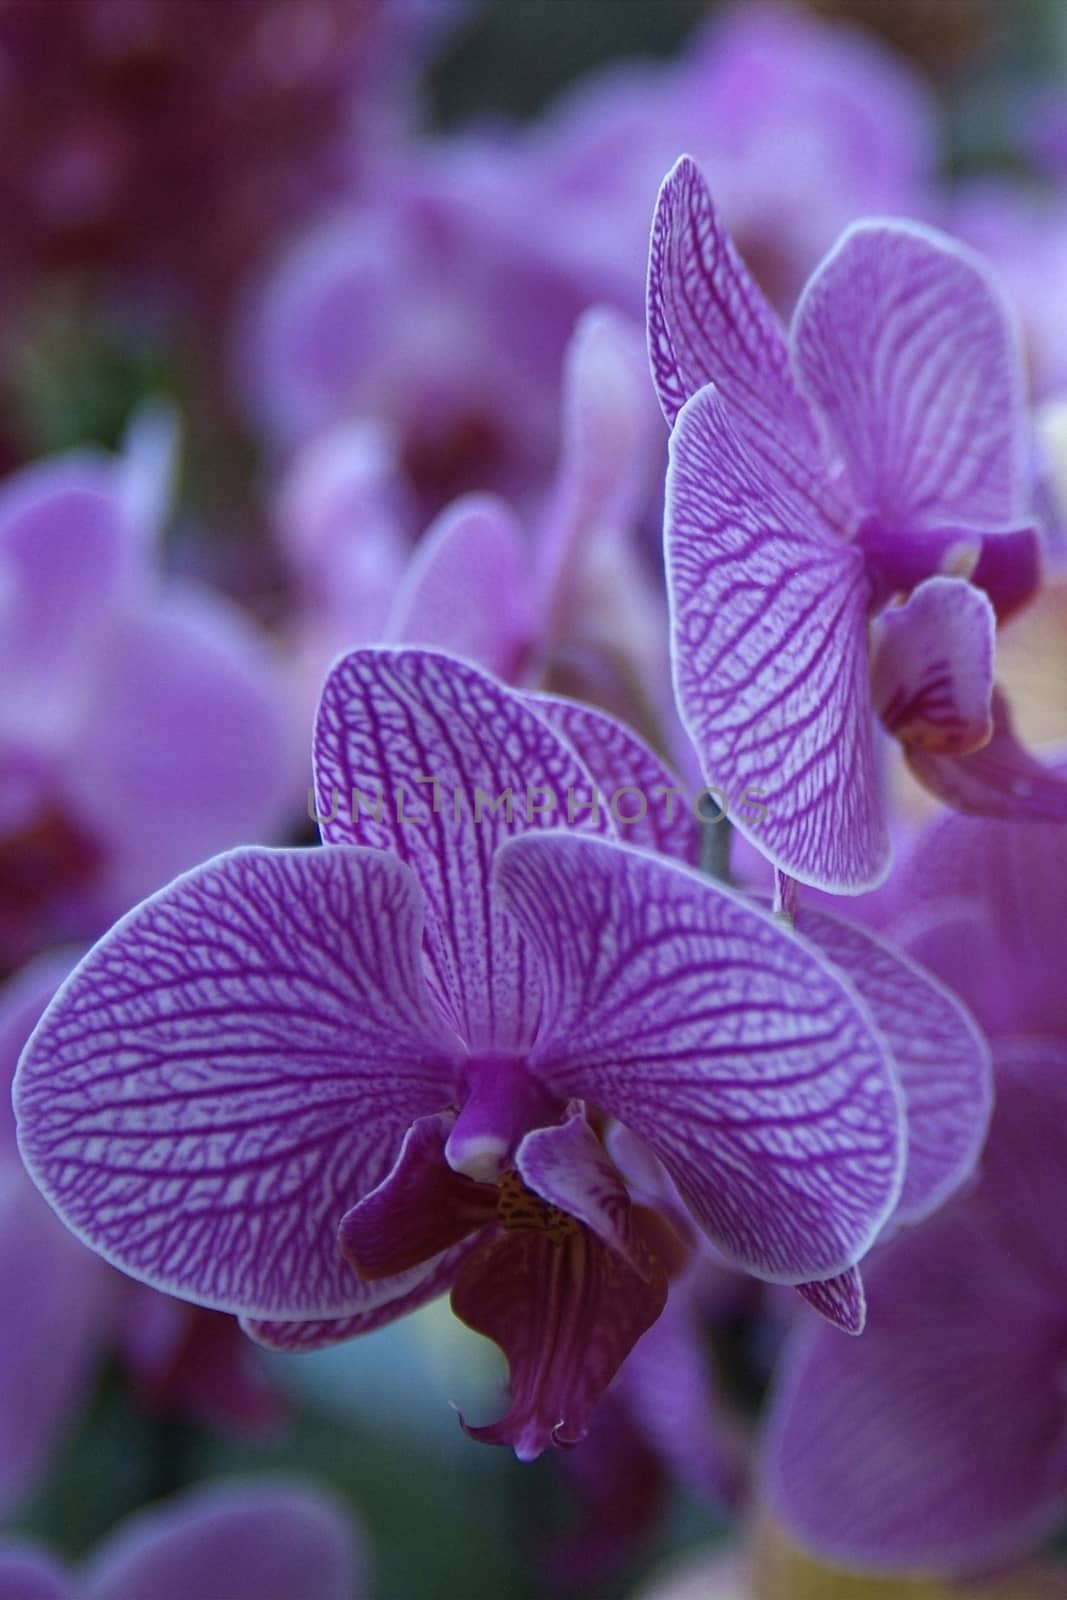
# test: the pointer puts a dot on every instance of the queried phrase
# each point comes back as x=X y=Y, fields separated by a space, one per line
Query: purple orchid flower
x=142 y=726
x=936 y=1443
x=261 y=1540
x=400 y=307
x=67 y=1311
x=317 y=1088
x=877 y=456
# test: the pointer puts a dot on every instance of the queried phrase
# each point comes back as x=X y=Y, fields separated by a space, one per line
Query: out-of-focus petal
x=729 y=1046
x=56 y=1297
x=343 y=524
x=932 y=667
x=324 y=316
x=53 y=1326
x=1025 y=1164
x=907 y=347
x=185 y=749
x=423 y=755
x=147 y=471
x=69 y=558
x=22 y=1000
x=26 y=1574
x=611 y=445
x=769 y=638
x=667 y=1383
x=941 y=1057
x=984 y=910
x=261 y=1540
x=230 y=1069
x=877 y=1453
x=468 y=588
x=183 y=1361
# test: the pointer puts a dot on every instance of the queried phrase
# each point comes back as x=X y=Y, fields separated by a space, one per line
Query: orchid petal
x=566 y=1312
x=709 y=323
x=1001 y=780
x=51 y=1335
x=193 y=755
x=932 y=667
x=769 y=625
x=300 y=1338
x=1026 y=1160
x=467 y=588
x=26 y=1574
x=841 y=1301
x=941 y=1056
x=418 y=754
x=230 y=1069
x=985 y=901
x=668 y=1383
x=726 y=1044
x=877 y=1451
x=645 y=798
x=568 y=1166
x=611 y=445
x=69 y=557
x=262 y=1540
x=906 y=345
x=419 y=1209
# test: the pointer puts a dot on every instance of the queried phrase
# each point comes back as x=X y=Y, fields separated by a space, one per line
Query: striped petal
x=932 y=667
x=726 y=1044
x=646 y=799
x=230 y=1069
x=941 y=1056
x=841 y=1301
x=709 y=323
x=906 y=345
x=769 y=637
x=425 y=756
